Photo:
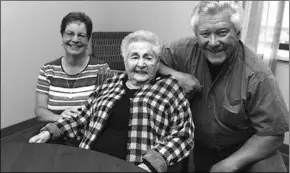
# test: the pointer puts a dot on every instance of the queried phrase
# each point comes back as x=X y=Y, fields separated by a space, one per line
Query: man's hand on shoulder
x=189 y=83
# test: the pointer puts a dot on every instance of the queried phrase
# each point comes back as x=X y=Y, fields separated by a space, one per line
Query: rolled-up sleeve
x=267 y=110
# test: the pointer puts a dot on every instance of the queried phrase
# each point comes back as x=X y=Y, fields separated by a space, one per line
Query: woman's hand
x=69 y=113
x=42 y=137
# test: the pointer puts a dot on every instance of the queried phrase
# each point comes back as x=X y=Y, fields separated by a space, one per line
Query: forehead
x=140 y=47
x=76 y=26
x=215 y=21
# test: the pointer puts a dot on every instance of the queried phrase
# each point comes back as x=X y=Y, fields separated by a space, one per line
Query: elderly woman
x=66 y=83
x=139 y=116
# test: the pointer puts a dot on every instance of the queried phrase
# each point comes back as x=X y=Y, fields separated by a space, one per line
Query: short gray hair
x=141 y=35
x=213 y=7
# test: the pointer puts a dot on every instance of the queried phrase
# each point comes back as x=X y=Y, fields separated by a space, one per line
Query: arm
x=269 y=117
x=169 y=65
x=74 y=126
x=255 y=149
x=41 y=111
x=189 y=82
x=178 y=141
x=42 y=89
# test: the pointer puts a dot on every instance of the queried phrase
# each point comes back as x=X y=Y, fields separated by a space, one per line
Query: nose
x=141 y=63
x=75 y=38
x=213 y=41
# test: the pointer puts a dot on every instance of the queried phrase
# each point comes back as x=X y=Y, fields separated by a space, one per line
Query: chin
x=75 y=53
x=138 y=80
x=141 y=79
x=216 y=60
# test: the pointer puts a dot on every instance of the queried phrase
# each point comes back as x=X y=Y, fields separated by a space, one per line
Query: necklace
x=70 y=89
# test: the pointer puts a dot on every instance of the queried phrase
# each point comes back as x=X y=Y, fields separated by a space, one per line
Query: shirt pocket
x=233 y=114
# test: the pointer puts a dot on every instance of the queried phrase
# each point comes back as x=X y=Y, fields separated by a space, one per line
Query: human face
x=74 y=39
x=141 y=63
x=216 y=36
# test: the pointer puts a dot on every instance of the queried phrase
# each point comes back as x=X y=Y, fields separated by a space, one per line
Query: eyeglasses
x=70 y=35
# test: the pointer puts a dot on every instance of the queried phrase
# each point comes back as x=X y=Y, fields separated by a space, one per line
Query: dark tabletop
x=22 y=156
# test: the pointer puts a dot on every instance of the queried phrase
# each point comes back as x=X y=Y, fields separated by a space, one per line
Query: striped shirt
x=68 y=91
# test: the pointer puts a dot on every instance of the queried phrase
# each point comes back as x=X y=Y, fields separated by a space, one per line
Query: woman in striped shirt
x=64 y=84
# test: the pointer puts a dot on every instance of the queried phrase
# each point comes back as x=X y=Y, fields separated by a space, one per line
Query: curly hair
x=213 y=7
x=141 y=35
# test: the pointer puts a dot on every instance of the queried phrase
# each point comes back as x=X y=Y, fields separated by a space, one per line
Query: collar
x=157 y=77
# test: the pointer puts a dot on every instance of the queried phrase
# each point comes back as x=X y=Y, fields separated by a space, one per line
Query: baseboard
x=19 y=127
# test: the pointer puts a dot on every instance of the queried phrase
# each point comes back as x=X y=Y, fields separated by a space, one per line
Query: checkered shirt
x=160 y=119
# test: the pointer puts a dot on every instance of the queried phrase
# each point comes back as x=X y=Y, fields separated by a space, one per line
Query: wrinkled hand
x=42 y=137
x=69 y=113
x=224 y=166
x=189 y=83
x=143 y=166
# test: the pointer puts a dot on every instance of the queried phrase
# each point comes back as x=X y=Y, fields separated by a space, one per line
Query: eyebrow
x=136 y=54
x=74 y=32
x=216 y=29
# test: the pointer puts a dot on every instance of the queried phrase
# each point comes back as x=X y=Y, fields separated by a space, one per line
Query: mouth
x=215 y=51
x=73 y=46
x=141 y=72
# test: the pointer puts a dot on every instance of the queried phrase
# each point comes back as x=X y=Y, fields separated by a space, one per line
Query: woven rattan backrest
x=106 y=46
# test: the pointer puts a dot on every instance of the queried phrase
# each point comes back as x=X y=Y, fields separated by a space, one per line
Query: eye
x=70 y=34
x=149 y=58
x=134 y=57
x=82 y=35
x=204 y=34
x=223 y=33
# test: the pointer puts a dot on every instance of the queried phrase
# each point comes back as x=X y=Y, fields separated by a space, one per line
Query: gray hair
x=213 y=7
x=141 y=35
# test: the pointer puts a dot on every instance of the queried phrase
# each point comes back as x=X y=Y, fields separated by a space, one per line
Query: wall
x=30 y=37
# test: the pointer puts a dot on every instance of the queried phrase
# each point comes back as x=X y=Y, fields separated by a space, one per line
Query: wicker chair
x=106 y=46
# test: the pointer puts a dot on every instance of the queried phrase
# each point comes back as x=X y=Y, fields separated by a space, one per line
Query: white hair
x=141 y=35
x=213 y=7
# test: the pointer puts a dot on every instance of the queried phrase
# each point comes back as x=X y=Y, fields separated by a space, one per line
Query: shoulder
x=56 y=62
x=54 y=65
x=96 y=64
x=169 y=83
x=254 y=65
x=188 y=41
x=116 y=78
x=181 y=47
x=94 y=61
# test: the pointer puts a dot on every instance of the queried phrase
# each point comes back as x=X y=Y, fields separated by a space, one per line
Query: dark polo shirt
x=244 y=99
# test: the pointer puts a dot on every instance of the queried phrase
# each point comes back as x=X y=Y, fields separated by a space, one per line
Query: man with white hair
x=238 y=110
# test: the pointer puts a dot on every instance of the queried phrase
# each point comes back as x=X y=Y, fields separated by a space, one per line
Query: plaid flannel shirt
x=160 y=124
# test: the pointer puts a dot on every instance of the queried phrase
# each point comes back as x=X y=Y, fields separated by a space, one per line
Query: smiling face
x=74 y=39
x=141 y=63
x=217 y=36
